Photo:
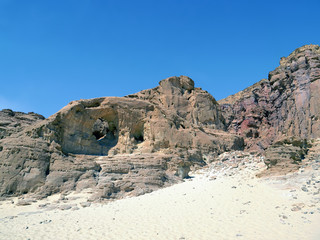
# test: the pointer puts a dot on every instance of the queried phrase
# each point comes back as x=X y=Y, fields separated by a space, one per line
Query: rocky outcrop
x=127 y=146
x=13 y=122
x=290 y=155
x=246 y=114
x=285 y=156
x=286 y=104
x=117 y=146
x=184 y=104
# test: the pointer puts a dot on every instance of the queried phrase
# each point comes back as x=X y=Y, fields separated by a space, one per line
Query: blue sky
x=53 y=52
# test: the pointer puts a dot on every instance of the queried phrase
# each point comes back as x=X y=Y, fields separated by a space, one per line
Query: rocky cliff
x=12 y=122
x=284 y=105
x=127 y=146
x=117 y=146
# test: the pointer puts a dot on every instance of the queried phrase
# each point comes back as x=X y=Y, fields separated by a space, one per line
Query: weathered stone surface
x=246 y=113
x=290 y=155
x=23 y=161
x=117 y=146
x=127 y=146
x=183 y=104
x=13 y=122
x=285 y=104
x=285 y=155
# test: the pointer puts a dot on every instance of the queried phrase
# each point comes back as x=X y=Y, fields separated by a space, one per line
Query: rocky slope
x=117 y=146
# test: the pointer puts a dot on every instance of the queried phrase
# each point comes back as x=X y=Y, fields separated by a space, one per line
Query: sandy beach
x=214 y=204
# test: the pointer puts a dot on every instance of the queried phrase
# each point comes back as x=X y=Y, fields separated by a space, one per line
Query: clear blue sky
x=53 y=52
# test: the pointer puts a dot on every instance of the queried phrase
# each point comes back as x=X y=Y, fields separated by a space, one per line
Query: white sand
x=237 y=207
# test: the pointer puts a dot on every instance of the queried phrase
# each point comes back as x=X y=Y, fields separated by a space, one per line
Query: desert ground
x=222 y=201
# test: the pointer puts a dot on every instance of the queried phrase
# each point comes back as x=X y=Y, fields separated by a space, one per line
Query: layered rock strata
x=117 y=146
x=286 y=104
x=126 y=146
x=12 y=122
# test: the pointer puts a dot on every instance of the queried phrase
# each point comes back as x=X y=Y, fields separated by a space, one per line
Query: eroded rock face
x=177 y=98
x=13 y=122
x=117 y=146
x=285 y=155
x=285 y=104
x=121 y=146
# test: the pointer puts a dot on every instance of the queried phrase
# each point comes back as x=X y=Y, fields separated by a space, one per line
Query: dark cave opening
x=138 y=138
x=98 y=134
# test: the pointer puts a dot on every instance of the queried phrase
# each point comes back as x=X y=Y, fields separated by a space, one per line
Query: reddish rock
x=286 y=104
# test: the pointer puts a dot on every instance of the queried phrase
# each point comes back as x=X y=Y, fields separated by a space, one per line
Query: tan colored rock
x=127 y=146
x=285 y=156
x=12 y=122
x=117 y=146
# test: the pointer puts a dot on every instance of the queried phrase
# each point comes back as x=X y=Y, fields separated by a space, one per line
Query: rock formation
x=120 y=146
x=286 y=104
x=274 y=110
x=13 y=122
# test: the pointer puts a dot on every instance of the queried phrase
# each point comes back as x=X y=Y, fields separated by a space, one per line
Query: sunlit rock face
x=127 y=146
x=286 y=104
x=118 y=146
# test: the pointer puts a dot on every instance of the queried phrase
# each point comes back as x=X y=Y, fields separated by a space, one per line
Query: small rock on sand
x=23 y=203
x=85 y=204
x=65 y=207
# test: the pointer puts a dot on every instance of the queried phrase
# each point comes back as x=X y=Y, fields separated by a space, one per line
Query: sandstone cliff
x=120 y=146
x=280 y=115
x=284 y=105
x=117 y=146
x=13 y=122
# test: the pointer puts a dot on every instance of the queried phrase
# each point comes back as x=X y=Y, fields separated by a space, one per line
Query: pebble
x=43 y=205
x=45 y=221
x=295 y=208
x=283 y=216
x=65 y=207
x=85 y=204
x=23 y=203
